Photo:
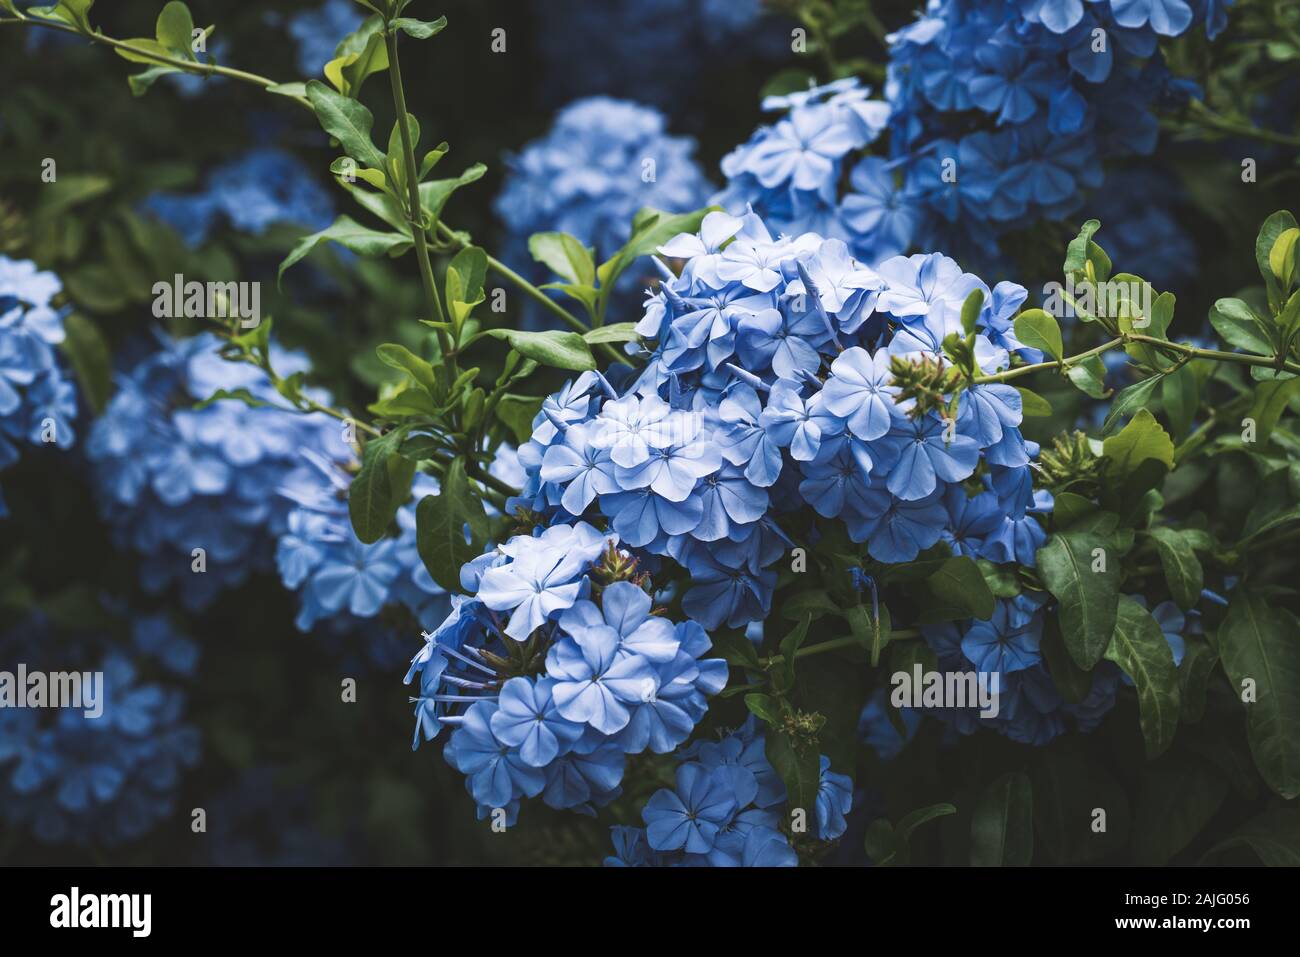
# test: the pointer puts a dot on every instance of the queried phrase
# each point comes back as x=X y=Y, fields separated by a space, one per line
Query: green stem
x=1207 y=117
x=1062 y=365
x=191 y=66
x=399 y=98
x=1241 y=358
x=415 y=213
x=835 y=644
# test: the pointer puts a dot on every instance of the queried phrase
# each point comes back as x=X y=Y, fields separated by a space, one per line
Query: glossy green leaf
x=1088 y=599
x=1140 y=649
x=1002 y=823
x=1260 y=653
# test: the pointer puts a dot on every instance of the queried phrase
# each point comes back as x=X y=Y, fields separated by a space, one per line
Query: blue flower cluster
x=172 y=478
x=623 y=46
x=1007 y=650
x=999 y=113
x=726 y=809
x=769 y=386
x=601 y=162
x=342 y=580
x=317 y=32
x=553 y=667
x=38 y=403
x=106 y=780
x=261 y=188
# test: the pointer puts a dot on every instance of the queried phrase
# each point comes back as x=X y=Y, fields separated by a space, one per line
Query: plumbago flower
x=106 y=780
x=185 y=486
x=253 y=192
x=553 y=667
x=726 y=809
x=38 y=403
x=343 y=581
x=1007 y=652
x=786 y=397
x=997 y=113
x=602 y=161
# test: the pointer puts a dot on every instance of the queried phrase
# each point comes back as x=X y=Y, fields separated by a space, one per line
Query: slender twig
x=415 y=212
x=835 y=644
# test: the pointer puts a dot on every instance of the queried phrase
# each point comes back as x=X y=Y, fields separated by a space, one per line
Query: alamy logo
x=950 y=689
x=55 y=689
x=212 y=300
x=134 y=911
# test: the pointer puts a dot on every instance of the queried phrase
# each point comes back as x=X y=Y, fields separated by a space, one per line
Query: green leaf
x=440 y=524
x=349 y=71
x=1237 y=324
x=1140 y=441
x=1274 y=836
x=1281 y=258
x=140 y=83
x=420 y=29
x=466 y=275
x=86 y=347
x=96 y=287
x=1038 y=330
x=1271 y=400
x=798 y=763
x=350 y=234
x=1089 y=377
x=348 y=121
x=871 y=634
x=1002 y=824
x=765 y=707
x=1182 y=568
x=1129 y=400
x=1076 y=254
x=651 y=228
x=888 y=846
x=175 y=29
x=373 y=498
x=74 y=12
x=1180 y=393
x=736 y=650
x=1257 y=643
x=959 y=591
x=1273 y=227
x=1174 y=804
x=435 y=193
x=1140 y=649
x=970 y=311
x=564 y=256
x=1032 y=404
x=616 y=332
x=1089 y=599
x=1199 y=659
x=517 y=412
x=399 y=357
x=560 y=350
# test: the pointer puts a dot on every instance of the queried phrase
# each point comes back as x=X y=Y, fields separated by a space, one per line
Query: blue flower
x=834 y=800
x=190 y=489
x=317 y=32
x=527 y=718
x=690 y=816
x=542 y=576
x=495 y=773
x=860 y=390
x=94 y=781
x=596 y=677
x=927 y=453
x=1007 y=642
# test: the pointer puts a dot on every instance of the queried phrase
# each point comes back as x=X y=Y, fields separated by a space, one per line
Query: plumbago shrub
x=831 y=539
